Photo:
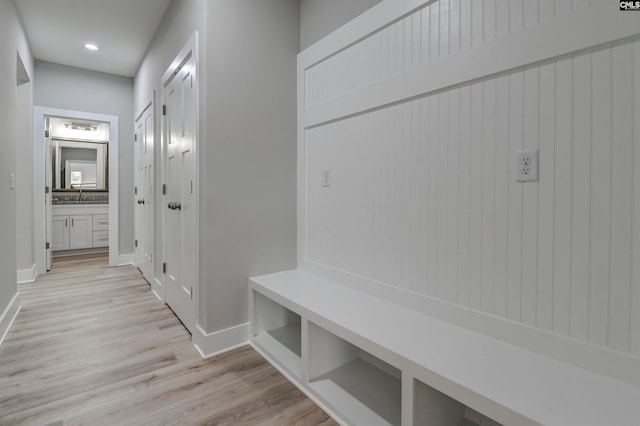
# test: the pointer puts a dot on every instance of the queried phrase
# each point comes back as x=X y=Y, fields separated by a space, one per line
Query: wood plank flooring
x=93 y=346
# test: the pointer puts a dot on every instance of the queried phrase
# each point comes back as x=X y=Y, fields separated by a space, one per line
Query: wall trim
x=618 y=365
x=9 y=315
x=589 y=28
x=216 y=343
x=27 y=275
x=122 y=259
x=39 y=226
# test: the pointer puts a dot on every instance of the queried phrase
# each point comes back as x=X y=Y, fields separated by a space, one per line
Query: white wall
x=247 y=56
x=63 y=87
x=12 y=42
x=417 y=124
x=24 y=178
x=180 y=21
x=249 y=193
x=320 y=17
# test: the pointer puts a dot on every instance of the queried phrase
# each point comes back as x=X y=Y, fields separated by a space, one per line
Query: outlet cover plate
x=526 y=165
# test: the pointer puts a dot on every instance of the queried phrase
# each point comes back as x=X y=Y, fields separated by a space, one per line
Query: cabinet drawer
x=100 y=238
x=100 y=222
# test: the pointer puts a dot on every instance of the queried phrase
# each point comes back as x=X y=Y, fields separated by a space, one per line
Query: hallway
x=92 y=345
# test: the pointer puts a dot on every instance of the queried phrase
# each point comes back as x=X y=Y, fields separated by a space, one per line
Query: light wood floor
x=93 y=346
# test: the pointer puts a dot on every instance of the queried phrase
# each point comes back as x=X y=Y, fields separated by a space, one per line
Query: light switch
x=12 y=179
x=326 y=182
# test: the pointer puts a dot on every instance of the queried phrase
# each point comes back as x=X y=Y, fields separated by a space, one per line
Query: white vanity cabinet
x=77 y=227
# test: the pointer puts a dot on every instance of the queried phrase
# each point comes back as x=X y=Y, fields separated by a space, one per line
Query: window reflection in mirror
x=79 y=165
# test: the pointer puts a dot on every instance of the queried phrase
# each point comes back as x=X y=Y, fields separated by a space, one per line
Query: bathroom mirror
x=79 y=165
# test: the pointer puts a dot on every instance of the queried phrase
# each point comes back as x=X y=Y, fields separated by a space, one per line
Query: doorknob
x=171 y=205
x=179 y=206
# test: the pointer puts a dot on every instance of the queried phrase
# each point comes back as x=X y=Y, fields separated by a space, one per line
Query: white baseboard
x=8 y=316
x=213 y=344
x=157 y=289
x=27 y=275
x=121 y=259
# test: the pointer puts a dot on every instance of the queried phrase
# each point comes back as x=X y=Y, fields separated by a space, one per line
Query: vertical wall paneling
x=635 y=290
x=621 y=196
x=546 y=198
x=442 y=142
x=516 y=14
x=515 y=230
x=562 y=195
x=502 y=18
x=487 y=175
x=434 y=28
x=477 y=24
x=581 y=197
x=531 y=13
x=530 y=234
x=454 y=27
x=444 y=28
x=423 y=196
x=465 y=24
x=501 y=213
x=547 y=10
x=489 y=21
x=464 y=197
x=452 y=211
x=600 y=197
x=475 y=226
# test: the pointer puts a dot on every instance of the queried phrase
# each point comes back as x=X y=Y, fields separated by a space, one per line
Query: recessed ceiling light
x=90 y=46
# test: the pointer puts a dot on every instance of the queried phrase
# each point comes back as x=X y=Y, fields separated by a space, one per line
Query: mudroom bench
x=368 y=361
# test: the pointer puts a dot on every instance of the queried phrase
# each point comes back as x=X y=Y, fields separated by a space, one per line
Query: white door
x=47 y=196
x=81 y=231
x=180 y=217
x=144 y=141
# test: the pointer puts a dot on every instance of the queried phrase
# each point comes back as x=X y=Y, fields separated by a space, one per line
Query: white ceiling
x=123 y=29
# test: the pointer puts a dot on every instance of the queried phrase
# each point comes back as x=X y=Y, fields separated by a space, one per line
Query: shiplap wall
x=423 y=196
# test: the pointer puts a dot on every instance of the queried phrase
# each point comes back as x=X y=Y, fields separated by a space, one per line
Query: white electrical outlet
x=526 y=165
x=325 y=179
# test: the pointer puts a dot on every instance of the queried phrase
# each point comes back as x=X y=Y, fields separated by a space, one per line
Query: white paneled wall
x=428 y=34
x=422 y=194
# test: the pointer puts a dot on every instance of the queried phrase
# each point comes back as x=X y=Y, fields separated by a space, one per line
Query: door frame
x=189 y=50
x=39 y=226
x=155 y=280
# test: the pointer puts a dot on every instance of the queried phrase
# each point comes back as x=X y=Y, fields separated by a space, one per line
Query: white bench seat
x=505 y=382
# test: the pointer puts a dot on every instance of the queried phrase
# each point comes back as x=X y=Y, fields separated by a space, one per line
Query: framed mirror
x=80 y=165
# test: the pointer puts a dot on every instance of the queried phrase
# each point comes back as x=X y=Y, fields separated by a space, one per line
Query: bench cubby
x=368 y=361
x=276 y=330
x=365 y=389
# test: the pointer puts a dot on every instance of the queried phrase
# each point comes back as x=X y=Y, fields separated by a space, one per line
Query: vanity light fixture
x=91 y=46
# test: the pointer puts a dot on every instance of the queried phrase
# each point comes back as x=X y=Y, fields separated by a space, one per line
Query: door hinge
x=135 y=190
x=135 y=243
x=46 y=189
x=46 y=246
x=191 y=292
x=164 y=189
x=46 y=133
x=192 y=187
x=164 y=110
x=164 y=268
x=135 y=137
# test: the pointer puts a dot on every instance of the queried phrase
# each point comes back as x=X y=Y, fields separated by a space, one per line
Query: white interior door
x=180 y=217
x=144 y=196
x=47 y=196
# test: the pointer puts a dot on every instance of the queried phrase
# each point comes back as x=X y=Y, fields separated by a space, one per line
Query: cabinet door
x=81 y=231
x=60 y=233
